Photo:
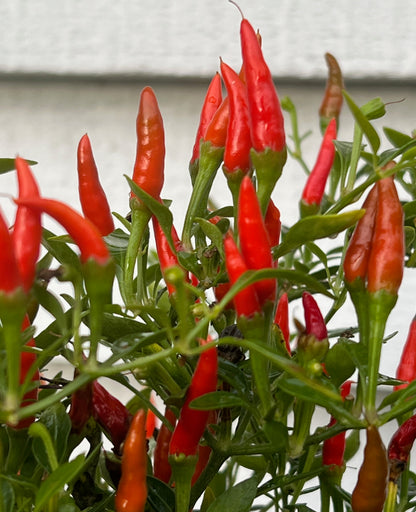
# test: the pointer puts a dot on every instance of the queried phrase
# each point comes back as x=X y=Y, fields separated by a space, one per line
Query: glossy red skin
x=91 y=194
x=216 y=132
x=10 y=279
x=245 y=301
x=359 y=247
x=406 y=370
x=386 y=261
x=402 y=441
x=27 y=229
x=238 y=142
x=281 y=319
x=211 y=103
x=131 y=492
x=161 y=466
x=192 y=422
x=80 y=229
x=273 y=224
x=314 y=321
x=266 y=118
x=148 y=172
x=315 y=185
x=254 y=239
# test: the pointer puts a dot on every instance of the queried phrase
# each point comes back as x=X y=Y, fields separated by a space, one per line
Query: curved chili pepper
x=111 y=414
x=333 y=98
x=148 y=172
x=216 y=132
x=314 y=189
x=334 y=447
x=131 y=492
x=81 y=408
x=400 y=446
x=27 y=229
x=10 y=279
x=254 y=239
x=238 y=142
x=245 y=301
x=406 y=370
x=211 y=103
x=192 y=422
x=314 y=321
x=91 y=194
x=161 y=466
x=81 y=230
x=370 y=491
x=281 y=319
x=273 y=224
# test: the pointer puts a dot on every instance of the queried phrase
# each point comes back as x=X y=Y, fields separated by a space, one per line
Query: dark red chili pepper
x=27 y=360
x=399 y=447
x=406 y=370
x=216 y=132
x=211 y=103
x=81 y=230
x=91 y=194
x=273 y=224
x=281 y=319
x=81 y=408
x=315 y=185
x=315 y=323
x=148 y=172
x=370 y=491
x=131 y=492
x=111 y=414
x=238 y=142
x=334 y=447
x=192 y=422
x=27 y=229
x=161 y=466
x=254 y=239
x=245 y=301
x=333 y=98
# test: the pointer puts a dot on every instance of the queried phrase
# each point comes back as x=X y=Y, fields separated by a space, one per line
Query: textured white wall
x=371 y=38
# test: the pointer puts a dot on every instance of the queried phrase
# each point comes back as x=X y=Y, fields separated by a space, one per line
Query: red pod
x=27 y=229
x=111 y=414
x=80 y=229
x=192 y=422
x=266 y=118
x=281 y=319
x=333 y=98
x=10 y=279
x=245 y=301
x=254 y=239
x=93 y=200
x=238 y=142
x=211 y=103
x=161 y=466
x=315 y=185
x=273 y=224
x=315 y=323
x=406 y=370
x=81 y=408
x=400 y=446
x=148 y=172
x=216 y=132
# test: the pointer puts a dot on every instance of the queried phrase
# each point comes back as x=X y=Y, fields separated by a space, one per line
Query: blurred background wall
x=71 y=67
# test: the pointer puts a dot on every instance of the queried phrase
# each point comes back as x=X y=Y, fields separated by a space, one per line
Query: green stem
x=390 y=504
x=183 y=468
x=325 y=497
x=303 y=412
x=310 y=456
x=38 y=429
x=215 y=462
x=76 y=321
x=355 y=157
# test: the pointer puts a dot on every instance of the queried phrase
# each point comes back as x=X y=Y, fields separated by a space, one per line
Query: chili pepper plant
x=222 y=332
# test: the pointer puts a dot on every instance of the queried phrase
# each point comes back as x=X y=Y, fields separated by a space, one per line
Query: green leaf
x=160 y=497
x=338 y=362
x=212 y=232
x=57 y=480
x=218 y=400
x=362 y=120
x=398 y=139
x=7 y=497
x=315 y=227
x=233 y=375
x=238 y=498
x=8 y=164
x=60 y=251
x=51 y=304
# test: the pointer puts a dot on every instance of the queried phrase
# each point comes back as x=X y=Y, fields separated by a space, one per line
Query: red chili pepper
x=27 y=360
x=111 y=414
x=370 y=491
x=131 y=492
x=81 y=230
x=81 y=408
x=192 y=422
x=91 y=194
x=273 y=224
x=254 y=239
x=149 y=166
x=238 y=142
x=216 y=132
x=267 y=124
x=161 y=466
x=315 y=323
x=406 y=370
x=10 y=280
x=27 y=230
x=211 y=103
x=333 y=98
x=246 y=301
x=400 y=446
x=315 y=185
x=281 y=319
x=334 y=447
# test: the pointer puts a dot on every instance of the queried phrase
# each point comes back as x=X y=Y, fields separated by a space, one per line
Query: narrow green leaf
x=398 y=139
x=8 y=164
x=159 y=495
x=238 y=498
x=7 y=497
x=212 y=232
x=361 y=119
x=51 y=304
x=217 y=400
x=60 y=251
